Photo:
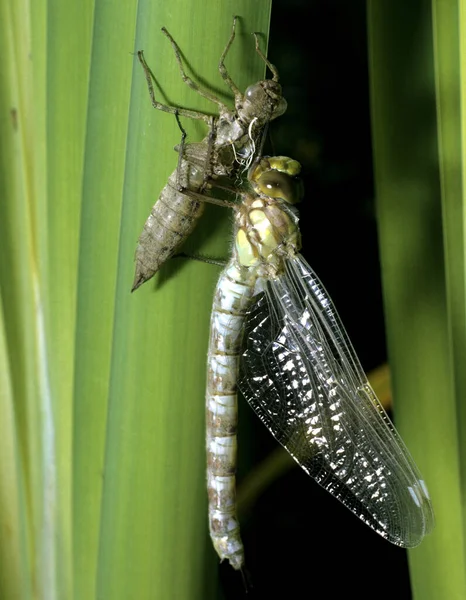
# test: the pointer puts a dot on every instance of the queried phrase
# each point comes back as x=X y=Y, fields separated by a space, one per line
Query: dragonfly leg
x=184 y=112
x=208 y=159
x=192 y=84
x=221 y=65
x=226 y=188
x=180 y=150
x=220 y=262
x=209 y=182
x=247 y=580
x=206 y=198
x=272 y=67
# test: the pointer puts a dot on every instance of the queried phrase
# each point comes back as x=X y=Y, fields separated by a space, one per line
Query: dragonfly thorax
x=229 y=130
x=267 y=228
x=267 y=235
x=238 y=137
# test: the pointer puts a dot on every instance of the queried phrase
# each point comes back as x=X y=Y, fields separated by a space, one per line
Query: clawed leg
x=225 y=188
x=207 y=165
x=223 y=71
x=272 y=67
x=184 y=112
x=205 y=198
x=205 y=259
x=180 y=150
x=208 y=158
x=212 y=184
x=208 y=182
x=192 y=84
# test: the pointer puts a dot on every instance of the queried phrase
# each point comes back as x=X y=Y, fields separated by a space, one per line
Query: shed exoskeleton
x=232 y=141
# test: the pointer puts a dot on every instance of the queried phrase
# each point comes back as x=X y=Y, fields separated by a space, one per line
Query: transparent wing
x=302 y=377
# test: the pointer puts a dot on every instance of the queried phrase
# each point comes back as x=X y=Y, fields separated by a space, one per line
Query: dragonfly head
x=277 y=177
x=262 y=101
x=268 y=232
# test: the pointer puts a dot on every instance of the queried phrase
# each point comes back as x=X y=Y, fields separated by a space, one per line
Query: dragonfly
x=229 y=147
x=276 y=337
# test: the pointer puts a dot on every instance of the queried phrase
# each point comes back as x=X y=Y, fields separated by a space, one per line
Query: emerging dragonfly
x=229 y=147
x=276 y=336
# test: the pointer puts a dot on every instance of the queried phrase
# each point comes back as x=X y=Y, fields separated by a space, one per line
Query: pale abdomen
x=232 y=299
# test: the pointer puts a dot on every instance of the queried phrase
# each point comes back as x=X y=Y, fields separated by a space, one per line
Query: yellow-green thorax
x=267 y=230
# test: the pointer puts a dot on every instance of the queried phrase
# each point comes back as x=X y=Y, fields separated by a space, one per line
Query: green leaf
x=102 y=487
x=418 y=88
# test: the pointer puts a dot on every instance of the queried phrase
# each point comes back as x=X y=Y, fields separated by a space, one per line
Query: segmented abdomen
x=232 y=299
x=171 y=220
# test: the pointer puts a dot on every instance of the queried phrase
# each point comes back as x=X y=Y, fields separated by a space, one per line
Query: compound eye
x=254 y=91
x=280 y=185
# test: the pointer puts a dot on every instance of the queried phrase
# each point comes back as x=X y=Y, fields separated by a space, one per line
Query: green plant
x=417 y=95
x=102 y=488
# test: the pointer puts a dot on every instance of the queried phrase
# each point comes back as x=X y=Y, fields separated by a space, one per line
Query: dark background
x=299 y=541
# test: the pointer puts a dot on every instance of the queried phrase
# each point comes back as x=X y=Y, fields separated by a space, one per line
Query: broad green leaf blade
x=26 y=375
x=14 y=563
x=67 y=45
x=140 y=359
x=449 y=29
x=102 y=391
x=417 y=131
